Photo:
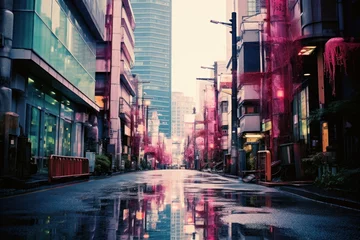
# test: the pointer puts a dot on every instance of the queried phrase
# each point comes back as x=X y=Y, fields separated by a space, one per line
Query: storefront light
x=306 y=50
x=253 y=136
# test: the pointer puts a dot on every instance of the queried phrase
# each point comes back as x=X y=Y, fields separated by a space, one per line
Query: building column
x=115 y=88
x=6 y=35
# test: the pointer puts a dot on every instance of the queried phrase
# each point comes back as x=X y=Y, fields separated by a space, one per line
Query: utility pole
x=194 y=139
x=234 y=140
x=216 y=94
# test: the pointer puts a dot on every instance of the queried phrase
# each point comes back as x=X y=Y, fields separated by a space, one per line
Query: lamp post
x=234 y=140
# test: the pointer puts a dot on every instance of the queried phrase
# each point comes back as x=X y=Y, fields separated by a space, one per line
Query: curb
x=322 y=198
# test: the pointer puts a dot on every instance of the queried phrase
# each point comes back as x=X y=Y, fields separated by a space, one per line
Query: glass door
x=65 y=137
x=34 y=131
x=49 y=134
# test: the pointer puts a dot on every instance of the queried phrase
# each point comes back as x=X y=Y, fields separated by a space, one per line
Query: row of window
x=65 y=30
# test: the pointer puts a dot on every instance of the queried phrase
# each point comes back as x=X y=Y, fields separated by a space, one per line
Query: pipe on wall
x=6 y=35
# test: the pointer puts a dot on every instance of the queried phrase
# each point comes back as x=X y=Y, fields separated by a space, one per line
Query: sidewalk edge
x=322 y=198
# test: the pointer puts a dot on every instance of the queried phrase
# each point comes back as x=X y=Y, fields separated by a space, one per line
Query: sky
x=195 y=41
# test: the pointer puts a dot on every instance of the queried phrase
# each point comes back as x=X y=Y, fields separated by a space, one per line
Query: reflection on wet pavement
x=156 y=207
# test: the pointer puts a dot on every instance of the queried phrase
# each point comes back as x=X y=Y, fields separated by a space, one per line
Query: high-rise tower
x=153 y=55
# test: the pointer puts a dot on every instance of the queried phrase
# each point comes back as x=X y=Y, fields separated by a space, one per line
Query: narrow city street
x=171 y=204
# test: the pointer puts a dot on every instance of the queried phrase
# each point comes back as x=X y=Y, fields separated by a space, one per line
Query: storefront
x=51 y=124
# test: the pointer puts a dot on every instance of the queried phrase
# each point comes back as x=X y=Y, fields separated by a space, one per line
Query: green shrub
x=329 y=181
x=102 y=163
x=345 y=179
x=144 y=164
x=310 y=164
x=127 y=164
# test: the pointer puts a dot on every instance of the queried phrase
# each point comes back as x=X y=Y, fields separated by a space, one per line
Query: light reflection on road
x=158 y=205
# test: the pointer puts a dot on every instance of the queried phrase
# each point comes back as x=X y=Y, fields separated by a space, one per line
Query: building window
x=249 y=109
x=224 y=107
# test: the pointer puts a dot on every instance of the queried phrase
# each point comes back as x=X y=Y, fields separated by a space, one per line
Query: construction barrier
x=67 y=166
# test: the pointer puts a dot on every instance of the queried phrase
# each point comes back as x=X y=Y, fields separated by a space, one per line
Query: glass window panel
x=66 y=112
x=42 y=38
x=24 y=5
x=54 y=52
x=59 y=22
x=35 y=96
x=52 y=104
x=33 y=131
x=23 y=35
x=65 y=137
x=49 y=135
x=43 y=8
x=69 y=35
x=78 y=140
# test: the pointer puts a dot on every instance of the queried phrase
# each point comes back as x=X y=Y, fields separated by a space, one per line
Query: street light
x=211 y=68
x=234 y=39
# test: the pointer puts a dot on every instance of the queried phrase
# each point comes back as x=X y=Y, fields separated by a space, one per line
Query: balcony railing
x=127 y=78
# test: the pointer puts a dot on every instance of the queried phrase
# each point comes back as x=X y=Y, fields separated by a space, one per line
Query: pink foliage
x=337 y=53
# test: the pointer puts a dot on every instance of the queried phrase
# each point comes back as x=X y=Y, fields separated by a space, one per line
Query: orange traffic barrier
x=67 y=166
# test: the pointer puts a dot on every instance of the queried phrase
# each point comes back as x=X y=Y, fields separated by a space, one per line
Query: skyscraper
x=153 y=55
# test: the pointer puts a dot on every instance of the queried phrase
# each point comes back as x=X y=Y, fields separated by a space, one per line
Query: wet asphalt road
x=171 y=204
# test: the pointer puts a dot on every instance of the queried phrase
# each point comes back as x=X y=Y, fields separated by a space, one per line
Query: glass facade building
x=53 y=74
x=54 y=31
x=153 y=55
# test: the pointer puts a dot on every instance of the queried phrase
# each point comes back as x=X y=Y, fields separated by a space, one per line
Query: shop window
x=301 y=115
x=49 y=134
x=65 y=137
x=33 y=130
x=224 y=107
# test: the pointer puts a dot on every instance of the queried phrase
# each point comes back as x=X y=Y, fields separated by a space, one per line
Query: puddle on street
x=149 y=211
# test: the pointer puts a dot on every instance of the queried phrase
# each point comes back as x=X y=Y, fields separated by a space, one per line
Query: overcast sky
x=195 y=41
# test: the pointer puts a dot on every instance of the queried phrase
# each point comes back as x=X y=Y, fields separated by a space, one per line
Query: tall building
x=115 y=85
x=47 y=78
x=153 y=55
x=181 y=105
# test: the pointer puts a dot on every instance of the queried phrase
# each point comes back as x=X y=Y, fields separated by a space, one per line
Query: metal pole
x=206 y=142
x=217 y=128
x=194 y=139
x=234 y=140
x=147 y=121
